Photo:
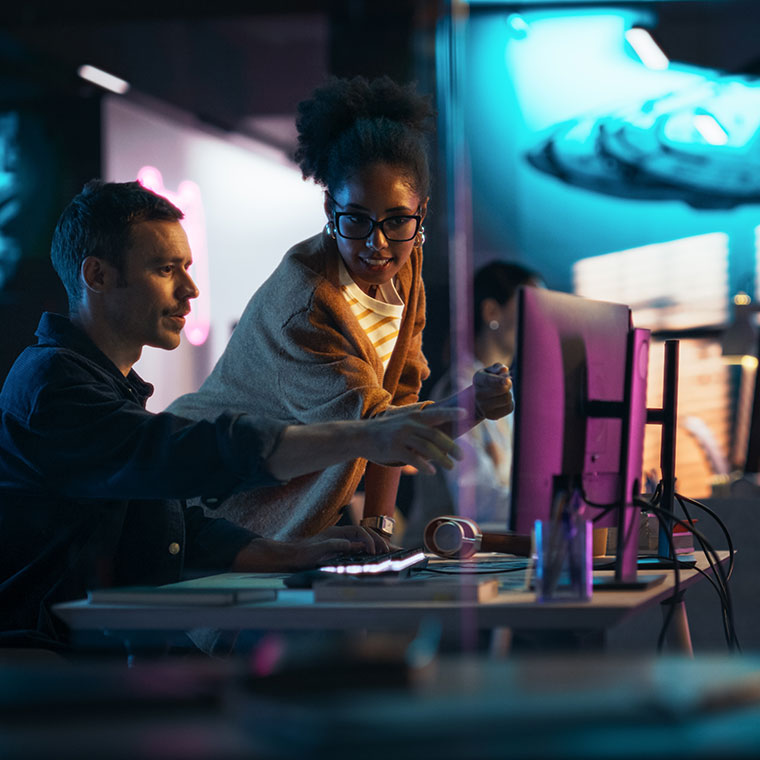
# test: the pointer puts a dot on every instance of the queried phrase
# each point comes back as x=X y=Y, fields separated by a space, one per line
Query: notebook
x=177 y=594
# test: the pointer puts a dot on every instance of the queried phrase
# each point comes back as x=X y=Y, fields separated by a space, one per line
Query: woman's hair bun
x=337 y=106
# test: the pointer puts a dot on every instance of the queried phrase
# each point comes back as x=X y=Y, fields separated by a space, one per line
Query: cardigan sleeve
x=415 y=368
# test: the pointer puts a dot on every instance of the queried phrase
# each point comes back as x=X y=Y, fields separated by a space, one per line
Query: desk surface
x=296 y=610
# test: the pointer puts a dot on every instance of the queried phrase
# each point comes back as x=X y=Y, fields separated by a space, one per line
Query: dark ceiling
x=244 y=66
x=239 y=66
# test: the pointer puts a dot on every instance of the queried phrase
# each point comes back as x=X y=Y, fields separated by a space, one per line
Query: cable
x=720 y=576
x=721 y=525
x=676 y=591
x=720 y=580
x=728 y=611
x=710 y=553
x=727 y=622
x=465 y=571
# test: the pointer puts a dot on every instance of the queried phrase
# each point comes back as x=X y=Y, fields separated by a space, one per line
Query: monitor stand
x=684 y=561
x=627 y=575
x=649 y=562
x=642 y=580
x=639 y=583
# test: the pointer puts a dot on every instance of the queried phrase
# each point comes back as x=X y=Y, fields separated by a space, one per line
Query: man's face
x=152 y=297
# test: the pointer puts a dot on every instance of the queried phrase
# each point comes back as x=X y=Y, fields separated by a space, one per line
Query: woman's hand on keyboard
x=264 y=555
x=372 y=541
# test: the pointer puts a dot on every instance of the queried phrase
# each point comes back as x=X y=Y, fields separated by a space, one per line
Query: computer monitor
x=580 y=380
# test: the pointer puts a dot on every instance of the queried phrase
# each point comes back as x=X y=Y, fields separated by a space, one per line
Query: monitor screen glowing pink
x=580 y=377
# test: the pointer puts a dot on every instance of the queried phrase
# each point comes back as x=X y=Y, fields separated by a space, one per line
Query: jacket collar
x=55 y=330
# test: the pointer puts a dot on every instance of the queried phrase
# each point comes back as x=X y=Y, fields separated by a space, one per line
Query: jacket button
x=173 y=548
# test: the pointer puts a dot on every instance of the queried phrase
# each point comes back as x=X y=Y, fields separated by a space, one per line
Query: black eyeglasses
x=355 y=226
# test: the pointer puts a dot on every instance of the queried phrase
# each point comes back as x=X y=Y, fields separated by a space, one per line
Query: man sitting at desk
x=90 y=480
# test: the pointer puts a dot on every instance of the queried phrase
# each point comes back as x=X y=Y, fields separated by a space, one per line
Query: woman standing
x=335 y=333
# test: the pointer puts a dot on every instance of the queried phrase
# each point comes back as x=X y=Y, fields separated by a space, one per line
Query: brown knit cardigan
x=299 y=355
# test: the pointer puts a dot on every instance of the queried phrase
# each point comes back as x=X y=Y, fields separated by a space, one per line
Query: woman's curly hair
x=348 y=124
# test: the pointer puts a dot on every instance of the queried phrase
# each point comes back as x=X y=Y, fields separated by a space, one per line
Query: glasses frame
x=375 y=223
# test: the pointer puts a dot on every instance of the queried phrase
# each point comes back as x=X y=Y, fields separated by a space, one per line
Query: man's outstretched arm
x=407 y=438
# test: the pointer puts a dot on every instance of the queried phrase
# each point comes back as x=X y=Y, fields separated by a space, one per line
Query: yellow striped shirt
x=379 y=317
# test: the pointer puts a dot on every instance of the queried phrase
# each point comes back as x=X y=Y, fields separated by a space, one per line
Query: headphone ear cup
x=452 y=537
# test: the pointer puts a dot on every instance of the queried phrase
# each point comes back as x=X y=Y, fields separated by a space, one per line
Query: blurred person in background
x=486 y=468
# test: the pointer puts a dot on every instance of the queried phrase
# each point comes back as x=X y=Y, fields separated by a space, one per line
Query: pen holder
x=564 y=563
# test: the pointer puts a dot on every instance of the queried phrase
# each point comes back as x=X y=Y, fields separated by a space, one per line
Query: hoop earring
x=330 y=230
x=420 y=239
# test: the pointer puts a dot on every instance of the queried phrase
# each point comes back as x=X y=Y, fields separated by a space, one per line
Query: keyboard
x=399 y=561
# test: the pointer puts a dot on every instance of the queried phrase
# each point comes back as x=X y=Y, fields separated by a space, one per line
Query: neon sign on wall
x=188 y=200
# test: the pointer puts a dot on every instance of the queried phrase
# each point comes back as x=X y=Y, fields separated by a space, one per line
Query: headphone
x=459 y=538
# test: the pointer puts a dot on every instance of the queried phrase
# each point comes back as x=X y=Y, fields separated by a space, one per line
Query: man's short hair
x=98 y=222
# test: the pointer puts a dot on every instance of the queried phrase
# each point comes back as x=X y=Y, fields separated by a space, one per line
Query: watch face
x=380 y=522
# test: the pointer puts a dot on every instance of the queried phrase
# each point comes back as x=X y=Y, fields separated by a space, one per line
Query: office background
x=208 y=119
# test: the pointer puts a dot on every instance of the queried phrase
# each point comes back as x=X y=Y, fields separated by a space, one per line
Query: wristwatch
x=381 y=523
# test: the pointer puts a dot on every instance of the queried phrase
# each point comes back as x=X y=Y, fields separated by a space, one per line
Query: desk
x=295 y=610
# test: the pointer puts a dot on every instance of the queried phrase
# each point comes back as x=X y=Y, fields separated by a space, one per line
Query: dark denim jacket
x=91 y=483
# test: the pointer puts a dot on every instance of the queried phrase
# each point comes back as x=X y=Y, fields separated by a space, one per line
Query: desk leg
x=678 y=634
x=501 y=642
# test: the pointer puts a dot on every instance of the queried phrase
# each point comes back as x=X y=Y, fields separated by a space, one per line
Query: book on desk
x=180 y=595
x=438 y=588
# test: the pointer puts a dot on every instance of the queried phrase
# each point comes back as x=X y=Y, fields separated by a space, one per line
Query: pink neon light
x=188 y=200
